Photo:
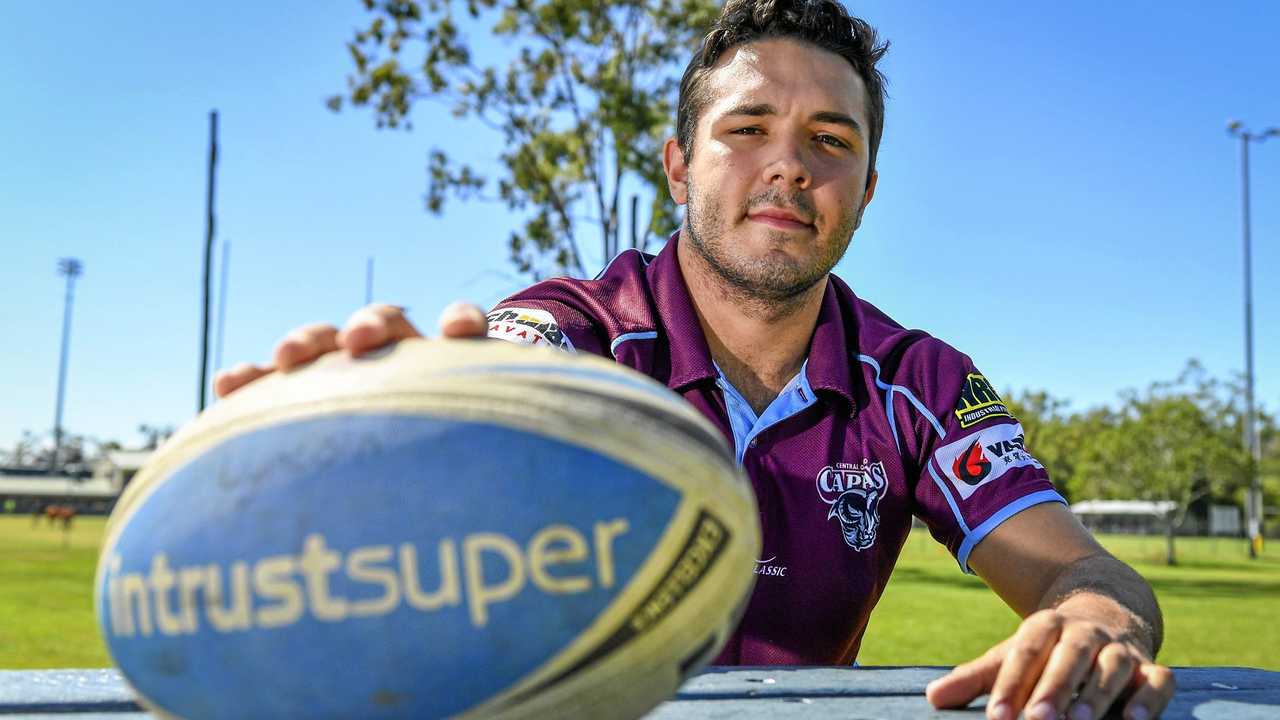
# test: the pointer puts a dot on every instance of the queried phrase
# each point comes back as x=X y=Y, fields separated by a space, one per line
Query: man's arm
x=1091 y=630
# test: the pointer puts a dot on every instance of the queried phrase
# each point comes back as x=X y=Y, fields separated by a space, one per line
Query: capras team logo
x=527 y=326
x=979 y=458
x=853 y=493
x=978 y=401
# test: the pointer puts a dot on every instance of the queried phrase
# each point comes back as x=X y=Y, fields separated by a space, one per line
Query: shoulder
x=897 y=354
x=930 y=372
x=577 y=314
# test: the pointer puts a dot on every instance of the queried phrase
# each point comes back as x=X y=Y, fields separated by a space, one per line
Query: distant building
x=1143 y=517
x=119 y=466
x=29 y=490
x=24 y=493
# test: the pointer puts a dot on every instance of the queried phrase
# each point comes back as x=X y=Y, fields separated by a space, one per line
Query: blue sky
x=1058 y=196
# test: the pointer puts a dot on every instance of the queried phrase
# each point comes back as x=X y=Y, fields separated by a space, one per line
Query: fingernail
x=1081 y=711
x=1042 y=710
x=999 y=711
x=458 y=306
x=1138 y=712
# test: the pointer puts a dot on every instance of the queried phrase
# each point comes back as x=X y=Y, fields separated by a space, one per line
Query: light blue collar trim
x=796 y=396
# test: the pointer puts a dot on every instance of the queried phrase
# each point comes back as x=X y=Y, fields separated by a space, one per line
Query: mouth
x=780 y=219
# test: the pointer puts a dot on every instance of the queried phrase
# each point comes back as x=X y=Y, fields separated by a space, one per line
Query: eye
x=833 y=141
x=753 y=130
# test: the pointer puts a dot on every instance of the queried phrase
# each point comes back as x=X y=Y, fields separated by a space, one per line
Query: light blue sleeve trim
x=626 y=337
x=946 y=493
x=972 y=539
x=889 y=415
x=891 y=389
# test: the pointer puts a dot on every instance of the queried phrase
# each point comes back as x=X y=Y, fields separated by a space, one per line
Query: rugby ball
x=443 y=528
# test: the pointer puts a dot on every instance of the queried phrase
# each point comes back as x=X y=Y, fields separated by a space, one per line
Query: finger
x=305 y=344
x=1111 y=673
x=1025 y=658
x=1154 y=691
x=966 y=682
x=373 y=326
x=1068 y=667
x=228 y=381
x=462 y=320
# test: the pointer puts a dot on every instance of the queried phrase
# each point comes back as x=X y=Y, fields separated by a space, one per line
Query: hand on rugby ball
x=368 y=328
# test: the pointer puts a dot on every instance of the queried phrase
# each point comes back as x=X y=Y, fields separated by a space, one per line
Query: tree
x=154 y=434
x=25 y=450
x=1269 y=470
x=1174 y=442
x=583 y=106
x=1050 y=435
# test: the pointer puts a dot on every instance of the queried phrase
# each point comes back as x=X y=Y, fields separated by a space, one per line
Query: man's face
x=777 y=180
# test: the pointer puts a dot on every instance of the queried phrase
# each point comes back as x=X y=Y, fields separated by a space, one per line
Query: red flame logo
x=971 y=466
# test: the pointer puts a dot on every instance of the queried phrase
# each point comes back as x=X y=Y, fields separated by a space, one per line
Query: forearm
x=1104 y=590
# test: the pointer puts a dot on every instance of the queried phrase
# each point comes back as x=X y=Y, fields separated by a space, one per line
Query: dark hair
x=822 y=23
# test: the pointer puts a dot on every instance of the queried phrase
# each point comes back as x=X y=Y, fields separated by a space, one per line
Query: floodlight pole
x=222 y=304
x=1254 y=504
x=202 y=391
x=70 y=268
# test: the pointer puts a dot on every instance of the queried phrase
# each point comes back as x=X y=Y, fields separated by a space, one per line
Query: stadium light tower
x=70 y=268
x=1235 y=128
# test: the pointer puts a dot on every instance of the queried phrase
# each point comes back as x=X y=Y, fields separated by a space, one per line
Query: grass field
x=1220 y=608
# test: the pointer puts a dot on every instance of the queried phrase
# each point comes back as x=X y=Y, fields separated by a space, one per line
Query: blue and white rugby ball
x=445 y=528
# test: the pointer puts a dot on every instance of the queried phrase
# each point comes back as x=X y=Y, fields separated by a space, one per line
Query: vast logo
x=978 y=402
x=527 y=326
x=853 y=493
x=979 y=458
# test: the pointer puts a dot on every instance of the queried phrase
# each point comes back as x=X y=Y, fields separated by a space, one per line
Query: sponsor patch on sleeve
x=528 y=326
x=978 y=402
x=982 y=457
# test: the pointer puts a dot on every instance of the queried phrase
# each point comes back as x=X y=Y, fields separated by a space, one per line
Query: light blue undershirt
x=746 y=425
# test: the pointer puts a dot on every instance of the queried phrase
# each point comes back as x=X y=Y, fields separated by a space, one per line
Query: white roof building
x=55 y=485
x=119 y=466
x=1153 y=508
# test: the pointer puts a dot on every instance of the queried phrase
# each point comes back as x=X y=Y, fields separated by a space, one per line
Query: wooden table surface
x=775 y=693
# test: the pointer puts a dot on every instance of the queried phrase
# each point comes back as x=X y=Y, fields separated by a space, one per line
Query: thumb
x=968 y=681
x=461 y=320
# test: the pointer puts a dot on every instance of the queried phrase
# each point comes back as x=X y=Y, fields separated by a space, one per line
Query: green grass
x=1220 y=608
x=46 y=594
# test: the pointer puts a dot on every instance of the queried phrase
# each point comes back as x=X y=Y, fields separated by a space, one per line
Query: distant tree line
x=1180 y=441
x=78 y=453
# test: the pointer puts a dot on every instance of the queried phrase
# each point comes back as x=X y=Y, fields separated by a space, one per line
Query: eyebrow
x=826 y=116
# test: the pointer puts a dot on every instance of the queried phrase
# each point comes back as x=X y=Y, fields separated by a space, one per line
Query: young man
x=847 y=423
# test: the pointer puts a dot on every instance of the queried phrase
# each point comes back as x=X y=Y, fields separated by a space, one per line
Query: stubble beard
x=774 y=285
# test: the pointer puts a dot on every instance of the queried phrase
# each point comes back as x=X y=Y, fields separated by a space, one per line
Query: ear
x=677 y=170
x=866 y=198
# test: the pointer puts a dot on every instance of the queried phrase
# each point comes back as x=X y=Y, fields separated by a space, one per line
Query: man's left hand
x=1057 y=666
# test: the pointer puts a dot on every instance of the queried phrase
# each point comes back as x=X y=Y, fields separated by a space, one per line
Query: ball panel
x=630 y=425
x=575 y=542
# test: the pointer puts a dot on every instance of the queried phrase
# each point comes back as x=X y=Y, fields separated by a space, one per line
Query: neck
x=759 y=344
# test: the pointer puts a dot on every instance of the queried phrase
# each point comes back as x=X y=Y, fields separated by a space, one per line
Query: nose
x=788 y=167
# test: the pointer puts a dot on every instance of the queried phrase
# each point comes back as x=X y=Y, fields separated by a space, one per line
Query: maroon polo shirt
x=881 y=424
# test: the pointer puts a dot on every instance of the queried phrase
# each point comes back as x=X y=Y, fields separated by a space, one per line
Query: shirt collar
x=690 y=355
x=830 y=353
x=826 y=368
